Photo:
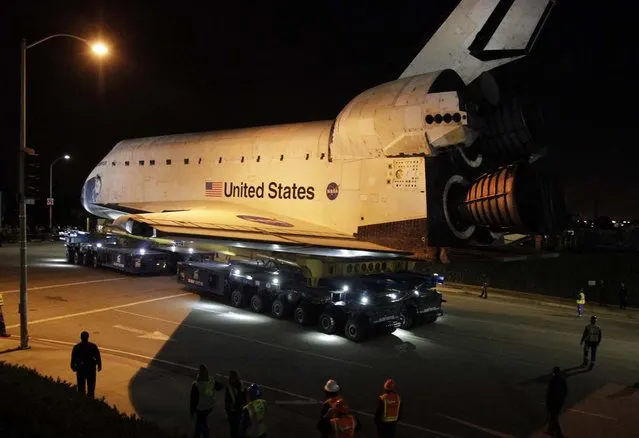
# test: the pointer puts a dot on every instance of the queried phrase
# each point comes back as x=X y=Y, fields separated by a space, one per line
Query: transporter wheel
x=257 y=303
x=278 y=309
x=237 y=298
x=387 y=330
x=95 y=262
x=327 y=323
x=76 y=258
x=86 y=259
x=429 y=318
x=70 y=256
x=408 y=317
x=301 y=315
x=355 y=330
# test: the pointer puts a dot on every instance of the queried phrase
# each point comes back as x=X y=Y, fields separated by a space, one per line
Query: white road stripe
x=53 y=286
x=104 y=309
x=475 y=426
x=309 y=400
x=293 y=350
x=593 y=414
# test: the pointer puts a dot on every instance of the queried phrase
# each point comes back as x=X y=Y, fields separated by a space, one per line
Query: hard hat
x=341 y=406
x=254 y=391
x=593 y=319
x=389 y=385
x=331 y=386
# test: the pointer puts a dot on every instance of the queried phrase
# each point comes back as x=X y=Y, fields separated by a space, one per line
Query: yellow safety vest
x=581 y=299
x=593 y=333
x=257 y=414
x=1 y=300
x=207 y=394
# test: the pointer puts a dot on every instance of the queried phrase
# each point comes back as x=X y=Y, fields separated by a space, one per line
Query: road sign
x=49 y=201
x=29 y=201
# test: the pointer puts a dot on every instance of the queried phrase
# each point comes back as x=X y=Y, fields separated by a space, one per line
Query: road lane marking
x=475 y=426
x=308 y=400
x=156 y=335
x=104 y=309
x=280 y=347
x=593 y=414
x=53 y=286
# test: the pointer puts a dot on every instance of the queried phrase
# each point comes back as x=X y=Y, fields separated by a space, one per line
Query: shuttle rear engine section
x=514 y=198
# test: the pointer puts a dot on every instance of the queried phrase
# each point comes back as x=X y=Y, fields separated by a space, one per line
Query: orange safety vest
x=392 y=402
x=332 y=402
x=343 y=426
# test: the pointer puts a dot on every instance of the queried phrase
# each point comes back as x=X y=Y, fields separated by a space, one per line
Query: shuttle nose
x=91 y=193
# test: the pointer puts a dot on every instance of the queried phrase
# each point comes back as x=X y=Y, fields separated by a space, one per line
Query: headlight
x=248 y=277
x=99 y=245
x=275 y=281
x=363 y=300
x=345 y=288
x=236 y=272
x=142 y=251
x=392 y=296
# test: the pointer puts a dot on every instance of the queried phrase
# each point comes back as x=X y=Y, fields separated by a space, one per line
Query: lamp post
x=99 y=49
x=66 y=157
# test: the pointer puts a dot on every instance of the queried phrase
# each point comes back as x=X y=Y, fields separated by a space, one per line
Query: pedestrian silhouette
x=234 y=401
x=84 y=359
x=555 y=396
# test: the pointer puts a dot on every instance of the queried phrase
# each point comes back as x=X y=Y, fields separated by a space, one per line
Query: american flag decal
x=213 y=189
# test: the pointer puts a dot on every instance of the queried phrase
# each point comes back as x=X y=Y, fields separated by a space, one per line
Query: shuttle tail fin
x=480 y=35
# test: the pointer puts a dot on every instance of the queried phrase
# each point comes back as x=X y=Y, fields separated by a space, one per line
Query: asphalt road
x=479 y=371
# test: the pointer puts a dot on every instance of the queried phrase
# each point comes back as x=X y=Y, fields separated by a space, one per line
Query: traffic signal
x=33 y=180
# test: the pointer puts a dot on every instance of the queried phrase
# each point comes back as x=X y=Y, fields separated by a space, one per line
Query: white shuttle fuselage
x=363 y=175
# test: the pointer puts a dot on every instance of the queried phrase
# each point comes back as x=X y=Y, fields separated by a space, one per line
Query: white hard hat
x=331 y=386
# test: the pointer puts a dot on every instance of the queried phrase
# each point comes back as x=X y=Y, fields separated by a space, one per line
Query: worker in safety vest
x=3 y=327
x=331 y=392
x=591 y=339
x=253 y=422
x=581 y=301
x=234 y=402
x=341 y=424
x=389 y=410
x=203 y=395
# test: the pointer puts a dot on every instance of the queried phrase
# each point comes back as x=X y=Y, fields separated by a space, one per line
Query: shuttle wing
x=480 y=35
x=246 y=227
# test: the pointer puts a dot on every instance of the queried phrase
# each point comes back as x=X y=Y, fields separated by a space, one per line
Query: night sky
x=195 y=66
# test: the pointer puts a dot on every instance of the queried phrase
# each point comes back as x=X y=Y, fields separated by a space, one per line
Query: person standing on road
x=253 y=422
x=85 y=357
x=591 y=338
x=623 y=297
x=342 y=424
x=203 y=394
x=331 y=391
x=389 y=411
x=555 y=396
x=602 y=293
x=234 y=401
x=484 y=290
x=3 y=327
x=581 y=301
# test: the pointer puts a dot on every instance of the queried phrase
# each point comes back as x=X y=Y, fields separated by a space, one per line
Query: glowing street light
x=99 y=49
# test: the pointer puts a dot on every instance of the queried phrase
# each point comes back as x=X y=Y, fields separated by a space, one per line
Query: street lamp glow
x=67 y=157
x=100 y=49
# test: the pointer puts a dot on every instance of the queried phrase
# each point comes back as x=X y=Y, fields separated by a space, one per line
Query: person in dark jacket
x=623 y=297
x=85 y=357
x=234 y=401
x=555 y=396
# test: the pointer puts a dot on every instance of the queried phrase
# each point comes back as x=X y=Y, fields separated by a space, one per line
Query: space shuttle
x=436 y=158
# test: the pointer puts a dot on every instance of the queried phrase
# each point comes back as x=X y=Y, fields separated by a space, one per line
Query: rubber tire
x=281 y=309
x=257 y=303
x=94 y=262
x=409 y=318
x=327 y=323
x=70 y=256
x=300 y=315
x=354 y=330
x=429 y=318
x=76 y=258
x=238 y=299
x=387 y=330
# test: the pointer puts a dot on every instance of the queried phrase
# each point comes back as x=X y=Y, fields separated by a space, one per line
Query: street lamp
x=50 y=200
x=99 y=49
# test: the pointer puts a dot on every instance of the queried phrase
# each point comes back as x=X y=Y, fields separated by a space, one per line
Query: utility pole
x=24 y=331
